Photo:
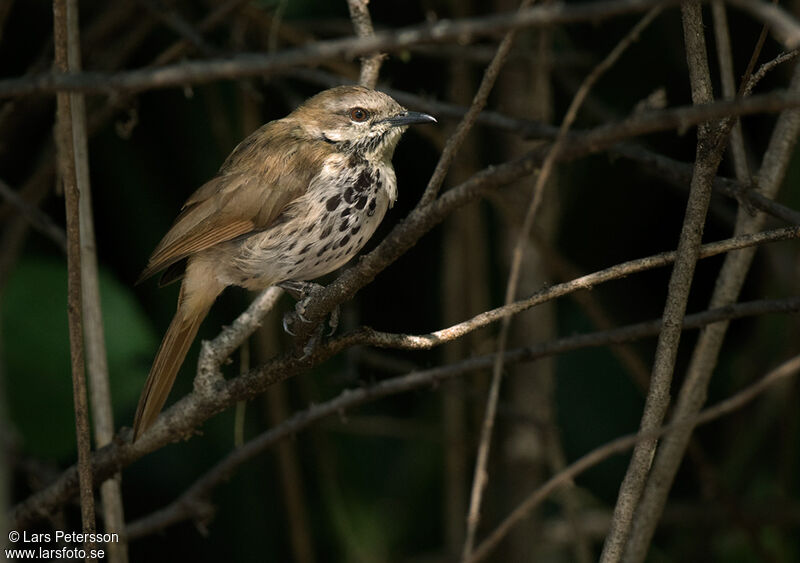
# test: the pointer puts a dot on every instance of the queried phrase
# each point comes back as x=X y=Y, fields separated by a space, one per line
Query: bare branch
x=464 y=126
x=710 y=146
x=783 y=27
x=64 y=33
x=195 y=503
x=94 y=337
x=362 y=23
x=788 y=369
x=725 y=58
x=426 y=341
x=182 y=418
x=768 y=66
x=480 y=475
x=681 y=174
x=39 y=220
x=246 y=65
x=728 y=286
x=424 y=218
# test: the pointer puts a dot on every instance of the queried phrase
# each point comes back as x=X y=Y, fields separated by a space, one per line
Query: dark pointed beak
x=410 y=118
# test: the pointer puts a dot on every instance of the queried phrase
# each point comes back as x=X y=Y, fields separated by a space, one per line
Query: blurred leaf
x=36 y=345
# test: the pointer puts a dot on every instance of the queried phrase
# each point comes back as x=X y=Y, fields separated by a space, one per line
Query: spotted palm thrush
x=295 y=200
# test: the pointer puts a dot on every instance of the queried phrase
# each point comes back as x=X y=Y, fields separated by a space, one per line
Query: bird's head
x=357 y=119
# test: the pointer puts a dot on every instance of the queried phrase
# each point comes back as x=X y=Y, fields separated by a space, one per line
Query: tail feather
x=170 y=356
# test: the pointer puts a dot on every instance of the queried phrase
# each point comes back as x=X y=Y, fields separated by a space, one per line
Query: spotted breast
x=321 y=230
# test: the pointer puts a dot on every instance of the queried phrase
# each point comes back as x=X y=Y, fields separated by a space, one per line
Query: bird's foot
x=303 y=291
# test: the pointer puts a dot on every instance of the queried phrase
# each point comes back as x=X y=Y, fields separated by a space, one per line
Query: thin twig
x=681 y=173
x=179 y=25
x=606 y=136
x=722 y=40
x=67 y=168
x=422 y=219
x=708 y=156
x=94 y=337
x=256 y=64
x=194 y=502
x=248 y=65
x=180 y=48
x=464 y=126
x=589 y=281
x=362 y=23
x=181 y=419
x=783 y=27
x=38 y=219
x=787 y=369
x=727 y=288
x=480 y=475
x=213 y=354
x=765 y=68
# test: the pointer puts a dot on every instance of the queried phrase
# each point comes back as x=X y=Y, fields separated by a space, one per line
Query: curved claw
x=286 y=326
x=300 y=314
x=333 y=321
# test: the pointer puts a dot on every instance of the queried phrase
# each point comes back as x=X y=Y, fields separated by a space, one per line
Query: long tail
x=193 y=307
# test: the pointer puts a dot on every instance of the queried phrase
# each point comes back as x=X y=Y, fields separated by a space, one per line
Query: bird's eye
x=359 y=114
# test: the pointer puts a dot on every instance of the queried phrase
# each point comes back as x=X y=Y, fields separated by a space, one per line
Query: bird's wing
x=256 y=183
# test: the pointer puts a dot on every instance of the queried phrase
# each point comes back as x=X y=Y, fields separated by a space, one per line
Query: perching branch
x=181 y=419
x=195 y=502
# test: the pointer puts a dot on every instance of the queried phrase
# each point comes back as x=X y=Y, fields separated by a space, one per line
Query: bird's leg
x=303 y=291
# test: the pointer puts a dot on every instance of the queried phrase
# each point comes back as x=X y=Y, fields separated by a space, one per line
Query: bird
x=295 y=200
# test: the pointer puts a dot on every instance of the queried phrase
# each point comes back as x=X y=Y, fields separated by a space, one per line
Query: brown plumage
x=294 y=200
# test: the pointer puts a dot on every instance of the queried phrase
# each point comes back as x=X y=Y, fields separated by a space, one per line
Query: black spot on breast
x=371 y=210
x=306 y=248
x=361 y=202
x=323 y=250
x=311 y=227
x=291 y=246
x=333 y=203
x=346 y=212
x=350 y=194
x=327 y=231
x=364 y=181
x=344 y=241
x=354 y=230
x=361 y=238
x=344 y=226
